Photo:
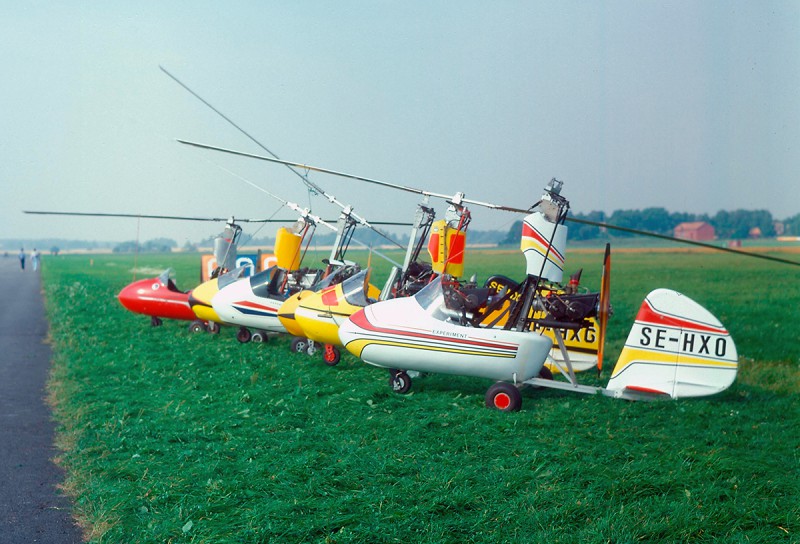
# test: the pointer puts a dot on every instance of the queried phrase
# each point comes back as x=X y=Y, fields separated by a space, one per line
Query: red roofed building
x=698 y=231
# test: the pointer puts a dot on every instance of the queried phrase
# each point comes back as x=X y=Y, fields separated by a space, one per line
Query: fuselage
x=416 y=333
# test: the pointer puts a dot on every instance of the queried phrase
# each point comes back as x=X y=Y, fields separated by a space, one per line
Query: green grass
x=173 y=437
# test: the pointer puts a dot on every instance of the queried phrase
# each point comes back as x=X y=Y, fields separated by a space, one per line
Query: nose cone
x=152 y=297
x=134 y=297
x=200 y=300
x=287 y=310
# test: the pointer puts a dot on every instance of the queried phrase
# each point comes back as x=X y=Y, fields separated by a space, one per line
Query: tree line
x=727 y=224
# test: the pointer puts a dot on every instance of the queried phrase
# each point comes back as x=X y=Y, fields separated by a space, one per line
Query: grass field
x=169 y=436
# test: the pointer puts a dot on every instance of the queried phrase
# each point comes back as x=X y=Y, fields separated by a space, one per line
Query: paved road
x=31 y=508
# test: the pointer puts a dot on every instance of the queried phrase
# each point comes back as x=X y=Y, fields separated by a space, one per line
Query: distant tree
x=624 y=218
x=126 y=247
x=738 y=223
x=54 y=250
x=159 y=245
x=513 y=235
x=792 y=226
x=579 y=231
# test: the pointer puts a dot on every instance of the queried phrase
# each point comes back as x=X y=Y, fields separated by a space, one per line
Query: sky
x=686 y=105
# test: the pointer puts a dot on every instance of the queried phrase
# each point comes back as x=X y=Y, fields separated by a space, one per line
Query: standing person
x=35 y=259
x=22 y=258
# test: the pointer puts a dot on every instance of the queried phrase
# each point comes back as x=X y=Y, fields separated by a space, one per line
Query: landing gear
x=311 y=347
x=155 y=321
x=331 y=355
x=259 y=336
x=197 y=326
x=399 y=381
x=299 y=344
x=213 y=327
x=504 y=396
x=244 y=335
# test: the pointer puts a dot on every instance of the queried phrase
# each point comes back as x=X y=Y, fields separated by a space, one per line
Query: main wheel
x=244 y=335
x=504 y=396
x=197 y=326
x=299 y=344
x=331 y=355
x=213 y=327
x=400 y=382
x=259 y=336
x=155 y=321
x=545 y=373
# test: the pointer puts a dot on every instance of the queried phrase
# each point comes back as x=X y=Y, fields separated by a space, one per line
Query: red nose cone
x=131 y=295
x=153 y=298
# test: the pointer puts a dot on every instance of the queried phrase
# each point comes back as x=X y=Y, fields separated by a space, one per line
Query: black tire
x=244 y=335
x=545 y=373
x=331 y=355
x=197 y=326
x=299 y=344
x=213 y=327
x=400 y=382
x=155 y=321
x=259 y=336
x=504 y=396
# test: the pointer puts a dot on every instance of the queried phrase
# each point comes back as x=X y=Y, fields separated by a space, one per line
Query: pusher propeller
x=604 y=306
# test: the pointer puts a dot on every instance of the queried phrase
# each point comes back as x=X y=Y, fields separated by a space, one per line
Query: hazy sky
x=692 y=106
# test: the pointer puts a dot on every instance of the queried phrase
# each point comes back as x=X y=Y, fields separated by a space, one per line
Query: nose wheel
x=244 y=335
x=299 y=344
x=399 y=381
x=197 y=326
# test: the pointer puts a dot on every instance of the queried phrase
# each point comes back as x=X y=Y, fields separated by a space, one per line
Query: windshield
x=336 y=276
x=165 y=275
x=260 y=282
x=430 y=296
x=232 y=276
x=353 y=289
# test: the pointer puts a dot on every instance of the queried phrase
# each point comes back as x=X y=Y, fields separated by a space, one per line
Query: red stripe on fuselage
x=360 y=318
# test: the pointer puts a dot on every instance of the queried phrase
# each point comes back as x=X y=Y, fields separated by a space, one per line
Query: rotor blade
x=313 y=186
x=355 y=177
x=229 y=120
x=683 y=241
x=309 y=167
x=488 y=204
x=171 y=217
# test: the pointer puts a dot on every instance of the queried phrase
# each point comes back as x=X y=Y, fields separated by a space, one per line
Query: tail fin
x=676 y=348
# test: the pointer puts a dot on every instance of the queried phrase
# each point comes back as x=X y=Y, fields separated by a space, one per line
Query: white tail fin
x=676 y=348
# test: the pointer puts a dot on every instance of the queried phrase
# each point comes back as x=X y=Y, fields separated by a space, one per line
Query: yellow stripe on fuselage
x=356 y=347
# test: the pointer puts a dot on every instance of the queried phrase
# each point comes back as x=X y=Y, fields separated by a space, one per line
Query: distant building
x=755 y=232
x=698 y=231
